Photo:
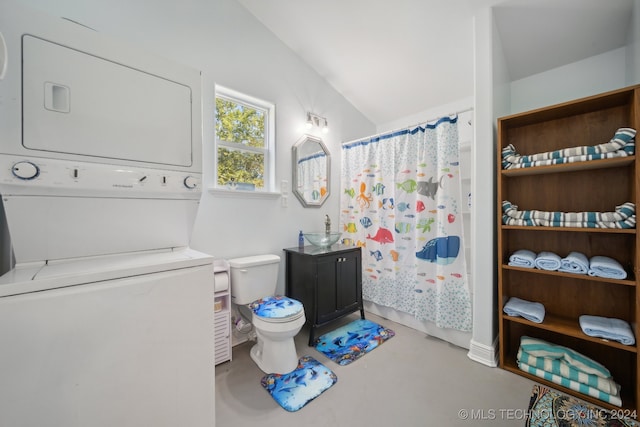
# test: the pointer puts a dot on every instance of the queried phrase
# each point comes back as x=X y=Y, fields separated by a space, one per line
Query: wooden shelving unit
x=599 y=186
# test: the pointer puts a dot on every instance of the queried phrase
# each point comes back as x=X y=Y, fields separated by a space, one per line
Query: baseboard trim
x=481 y=353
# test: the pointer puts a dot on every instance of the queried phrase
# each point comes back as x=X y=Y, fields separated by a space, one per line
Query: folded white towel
x=533 y=311
x=608 y=328
x=523 y=258
x=546 y=260
x=609 y=268
x=575 y=262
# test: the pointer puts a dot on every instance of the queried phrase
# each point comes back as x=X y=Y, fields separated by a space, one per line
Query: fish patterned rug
x=550 y=408
x=352 y=341
x=294 y=390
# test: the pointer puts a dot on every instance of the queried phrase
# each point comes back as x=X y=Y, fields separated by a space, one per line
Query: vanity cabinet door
x=338 y=285
x=327 y=288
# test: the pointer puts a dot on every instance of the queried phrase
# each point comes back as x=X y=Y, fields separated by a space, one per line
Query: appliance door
x=136 y=351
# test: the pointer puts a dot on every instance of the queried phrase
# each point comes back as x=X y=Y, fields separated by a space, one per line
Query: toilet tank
x=253 y=277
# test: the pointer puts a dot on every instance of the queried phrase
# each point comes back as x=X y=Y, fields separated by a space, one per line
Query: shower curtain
x=312 y=176
x=400 y=201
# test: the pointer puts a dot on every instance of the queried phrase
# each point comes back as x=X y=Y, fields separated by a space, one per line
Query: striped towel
x=623 y=217
x=540 y=348
x=616 y=147
x=628 y=150
x=562 y=368
x=571 y=384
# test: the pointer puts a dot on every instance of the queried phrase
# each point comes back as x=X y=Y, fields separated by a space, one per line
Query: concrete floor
x=410 y=380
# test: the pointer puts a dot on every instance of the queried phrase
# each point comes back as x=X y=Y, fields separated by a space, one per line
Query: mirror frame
x=295 y=150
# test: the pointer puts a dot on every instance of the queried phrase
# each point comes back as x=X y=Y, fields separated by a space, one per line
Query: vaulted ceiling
x=392 y=59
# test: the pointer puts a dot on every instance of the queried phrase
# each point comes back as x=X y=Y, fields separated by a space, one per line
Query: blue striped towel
x=562 y=368
x=571 y=384
x=608 y=328
x=546 y=260
x=621 y=145
x=523 y=258
x=541 y=348
x=575 y=262
x=533 y=311
x=624 y=216
x=603 y=266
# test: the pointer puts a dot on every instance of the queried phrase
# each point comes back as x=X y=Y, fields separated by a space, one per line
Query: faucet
x=327 y=224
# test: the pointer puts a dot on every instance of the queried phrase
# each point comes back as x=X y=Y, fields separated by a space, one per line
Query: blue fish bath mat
x=294 y=390
x=352 y=341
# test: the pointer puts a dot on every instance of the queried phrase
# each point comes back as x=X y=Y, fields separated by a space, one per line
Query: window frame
x=269 y=149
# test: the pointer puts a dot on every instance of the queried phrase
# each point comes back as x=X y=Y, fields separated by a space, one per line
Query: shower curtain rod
x=408 y=127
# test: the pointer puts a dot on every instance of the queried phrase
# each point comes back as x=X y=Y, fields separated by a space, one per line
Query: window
x=245 y=147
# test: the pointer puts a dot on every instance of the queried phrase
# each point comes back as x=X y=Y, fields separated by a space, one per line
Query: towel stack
x=621 y=145
x=568 y=368
x=575 y=262
x=607 y=328
x=532 y=311
x=603 y=266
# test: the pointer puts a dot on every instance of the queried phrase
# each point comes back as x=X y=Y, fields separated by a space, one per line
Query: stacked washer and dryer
x=106 y=314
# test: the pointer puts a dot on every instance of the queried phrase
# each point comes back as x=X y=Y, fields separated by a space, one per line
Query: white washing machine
x=106 y=314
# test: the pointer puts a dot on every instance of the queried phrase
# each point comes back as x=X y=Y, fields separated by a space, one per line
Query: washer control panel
x=31 y=176
x=25 y=170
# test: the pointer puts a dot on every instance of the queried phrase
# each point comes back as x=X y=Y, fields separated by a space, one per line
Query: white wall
x=591 y=76
x=633 y=47
x=233 y=49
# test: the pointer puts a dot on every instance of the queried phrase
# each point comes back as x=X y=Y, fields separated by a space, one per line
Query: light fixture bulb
x=309 y=123
x=325 y=128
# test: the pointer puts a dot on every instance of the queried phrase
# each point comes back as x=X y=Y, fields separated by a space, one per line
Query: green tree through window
x=242 y=145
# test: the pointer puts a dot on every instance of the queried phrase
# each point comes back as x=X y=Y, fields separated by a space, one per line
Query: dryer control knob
x=25 y=170
x=190 y=182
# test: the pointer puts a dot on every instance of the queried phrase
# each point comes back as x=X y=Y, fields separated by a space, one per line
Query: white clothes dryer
x=106 y=314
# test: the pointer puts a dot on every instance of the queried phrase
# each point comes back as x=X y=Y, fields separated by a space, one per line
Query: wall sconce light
x=317 y=121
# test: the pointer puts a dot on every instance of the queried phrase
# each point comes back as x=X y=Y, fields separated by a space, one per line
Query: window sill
x=222 y=192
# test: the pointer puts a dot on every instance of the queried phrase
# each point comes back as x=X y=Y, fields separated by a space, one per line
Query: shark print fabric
x=400 y=201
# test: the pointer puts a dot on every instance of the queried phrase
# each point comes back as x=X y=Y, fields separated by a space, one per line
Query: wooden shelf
x=571 y=167
x=569 y=327
x=625 y=282
x=571 y=229
x=591 y=186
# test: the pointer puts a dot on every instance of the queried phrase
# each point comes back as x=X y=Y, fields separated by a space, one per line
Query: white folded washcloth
x=608 y=328
x=602 y=266
x=575 y=262
x=546 y=260
x=523 y=258
x=533 y=311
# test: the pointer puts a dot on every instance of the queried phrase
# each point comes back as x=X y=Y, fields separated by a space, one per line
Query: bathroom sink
x=322 y=240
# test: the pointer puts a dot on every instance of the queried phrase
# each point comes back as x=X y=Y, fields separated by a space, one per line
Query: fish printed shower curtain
x=312 y=176
x=400 y=202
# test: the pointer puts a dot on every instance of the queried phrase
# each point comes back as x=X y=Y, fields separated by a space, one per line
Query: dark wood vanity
x=327 y=281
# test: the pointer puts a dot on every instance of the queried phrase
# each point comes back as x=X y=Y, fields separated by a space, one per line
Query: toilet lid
x=276 y=307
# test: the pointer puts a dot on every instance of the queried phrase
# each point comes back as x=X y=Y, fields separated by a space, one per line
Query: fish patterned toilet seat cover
x=276 y=307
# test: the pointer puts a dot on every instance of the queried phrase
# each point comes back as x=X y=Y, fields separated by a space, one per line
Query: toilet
x=276 y=319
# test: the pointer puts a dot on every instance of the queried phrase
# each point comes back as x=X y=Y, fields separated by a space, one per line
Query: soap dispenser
x=300 y=240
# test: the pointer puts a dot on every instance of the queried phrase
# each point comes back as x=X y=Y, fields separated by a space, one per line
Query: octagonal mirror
x=311 y=169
